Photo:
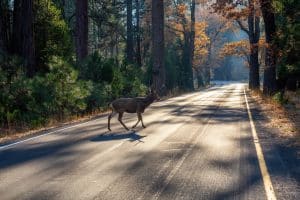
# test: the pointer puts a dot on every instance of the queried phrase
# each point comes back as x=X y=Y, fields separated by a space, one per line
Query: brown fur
x=131 y=105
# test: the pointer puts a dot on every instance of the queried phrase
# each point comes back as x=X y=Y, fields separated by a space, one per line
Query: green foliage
x=173 y=66
x=97 y=69
x=106 y=22
x=68 y=94
x=59 y=89
x=34 y=101
x=110 y=80
x=13 y=89
x=52 y=35
x=132 y=80
x=117 y=84
x=288 y=37
x=279 y=97
x=99 y=97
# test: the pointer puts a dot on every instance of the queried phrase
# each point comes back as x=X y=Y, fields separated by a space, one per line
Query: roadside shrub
x=25 y=101
x=133 y=77
x=68 y=94
x=99 y=96
x=110 y=80
x=279 y=98
x=97 y=69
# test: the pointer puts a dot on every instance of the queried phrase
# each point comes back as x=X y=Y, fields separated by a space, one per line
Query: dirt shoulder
x=21 y=134
x=285 y=118
x=278 y=128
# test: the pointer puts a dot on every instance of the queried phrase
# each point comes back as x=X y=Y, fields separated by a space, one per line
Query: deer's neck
x=148 y=100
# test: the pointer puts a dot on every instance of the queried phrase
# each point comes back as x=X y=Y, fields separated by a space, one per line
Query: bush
x=59 y=92
x=97 y=69
x=132 y=80
x=279 y=97
x=110 y=80
x=68 y=94
x=34 y=101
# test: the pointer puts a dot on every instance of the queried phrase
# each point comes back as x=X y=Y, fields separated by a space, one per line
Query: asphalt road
x=195 y=146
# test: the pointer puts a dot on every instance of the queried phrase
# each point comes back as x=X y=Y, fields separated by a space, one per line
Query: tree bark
x=5 y=29
x=269 y=85
x=186 y=62
x=192 y=42
x=81 y=29
x=23 y=34
x=138 y=37
x=207 y=66
x=158 y=69
x=129 y=39
x=254 y=34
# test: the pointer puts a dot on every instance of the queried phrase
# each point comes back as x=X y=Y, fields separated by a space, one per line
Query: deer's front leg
x=136 y=122
x=109 y=117
x=120 y=120
x=141 y=119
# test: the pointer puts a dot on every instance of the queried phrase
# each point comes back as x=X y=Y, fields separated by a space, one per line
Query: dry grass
x=286 y=118
x=16 y=133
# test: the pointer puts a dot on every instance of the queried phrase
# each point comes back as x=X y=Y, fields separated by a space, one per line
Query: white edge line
x=261 y=160
x=42 y=135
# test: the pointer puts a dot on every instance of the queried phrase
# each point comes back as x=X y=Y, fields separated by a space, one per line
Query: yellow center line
x=261 y=160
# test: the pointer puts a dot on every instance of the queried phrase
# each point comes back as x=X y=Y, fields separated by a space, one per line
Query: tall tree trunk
x=129 y=39
x=158 y=70
x=81 y=29
x=269 y=85
x=186 y=62
x=199 y=78
x=23 y=34
x=138 y=36
x=207 y=66
x=192 y=41
x=254 y=34
x=4 y=26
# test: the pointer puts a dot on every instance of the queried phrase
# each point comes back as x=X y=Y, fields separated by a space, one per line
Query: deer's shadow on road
x=131 y=135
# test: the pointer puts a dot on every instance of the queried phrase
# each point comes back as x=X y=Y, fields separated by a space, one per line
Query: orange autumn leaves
x=201 y=43
x=240 y=48
x=178 y=23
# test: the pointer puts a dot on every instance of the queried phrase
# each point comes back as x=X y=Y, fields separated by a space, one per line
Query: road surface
x=196 y=146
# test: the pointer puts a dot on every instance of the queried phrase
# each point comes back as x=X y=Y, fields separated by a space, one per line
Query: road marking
x=42 y=135
x=261 y=160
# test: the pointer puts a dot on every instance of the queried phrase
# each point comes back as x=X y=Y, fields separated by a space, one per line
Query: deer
x=131 y=105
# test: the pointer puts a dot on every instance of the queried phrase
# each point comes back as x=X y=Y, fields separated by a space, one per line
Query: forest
x=64 y=58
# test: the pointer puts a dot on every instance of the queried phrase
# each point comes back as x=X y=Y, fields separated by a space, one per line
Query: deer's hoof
x=109 y=129
x=144 y=127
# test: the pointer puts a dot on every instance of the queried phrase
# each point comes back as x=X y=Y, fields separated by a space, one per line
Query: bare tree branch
x=242 y=26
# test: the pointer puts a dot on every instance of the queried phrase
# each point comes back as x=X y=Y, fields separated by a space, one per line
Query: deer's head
x=152 y=94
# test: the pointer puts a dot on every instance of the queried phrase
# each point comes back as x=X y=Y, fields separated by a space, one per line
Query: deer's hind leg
x=120 y=120
x=141 y=119
x=113 y=112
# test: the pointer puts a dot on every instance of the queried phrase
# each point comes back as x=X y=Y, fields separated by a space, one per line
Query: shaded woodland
x=61 y=58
